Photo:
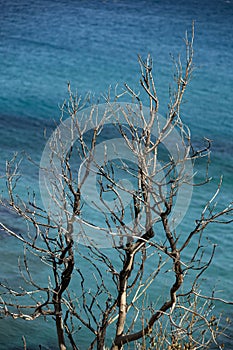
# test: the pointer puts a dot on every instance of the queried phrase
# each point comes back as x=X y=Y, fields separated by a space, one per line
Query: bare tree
x=116 y=180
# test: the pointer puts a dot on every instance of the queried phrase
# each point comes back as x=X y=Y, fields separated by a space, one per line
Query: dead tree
x=113 y=204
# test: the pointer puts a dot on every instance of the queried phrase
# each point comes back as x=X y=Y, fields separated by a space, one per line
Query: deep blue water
x=94 y=44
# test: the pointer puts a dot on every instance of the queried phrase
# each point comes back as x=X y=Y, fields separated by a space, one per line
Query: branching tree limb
x=118 y=177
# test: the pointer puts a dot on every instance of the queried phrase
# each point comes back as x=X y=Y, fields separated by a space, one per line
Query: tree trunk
x=59 y=324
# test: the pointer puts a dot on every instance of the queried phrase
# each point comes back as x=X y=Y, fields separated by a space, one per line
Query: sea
x=94 y=45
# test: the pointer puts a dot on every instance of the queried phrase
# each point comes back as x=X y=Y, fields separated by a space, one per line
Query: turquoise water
x=94 y=44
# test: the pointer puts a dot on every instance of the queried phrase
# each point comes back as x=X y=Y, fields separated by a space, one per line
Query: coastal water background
x=94 y=44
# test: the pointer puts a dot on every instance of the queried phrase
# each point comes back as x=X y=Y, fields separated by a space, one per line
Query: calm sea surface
x=94 y=44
